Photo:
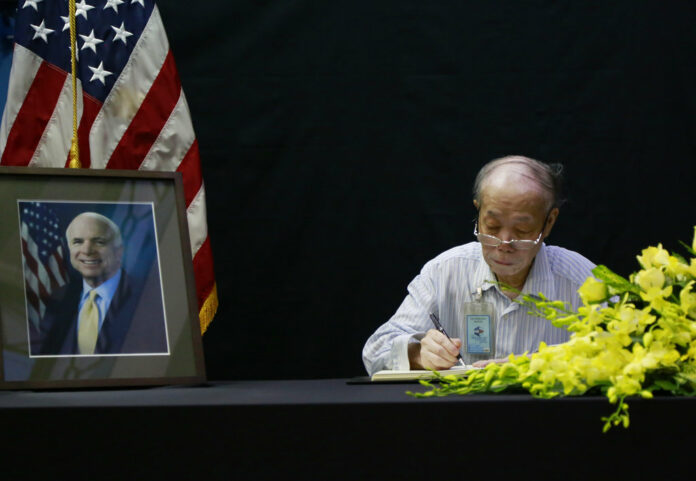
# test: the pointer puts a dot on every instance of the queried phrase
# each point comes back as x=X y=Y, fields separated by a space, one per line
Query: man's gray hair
x=111 y=225
x=548 y=176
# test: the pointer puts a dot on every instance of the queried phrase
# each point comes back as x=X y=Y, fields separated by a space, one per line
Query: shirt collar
x=483 y=276
x=106 y=289
x=540 y=276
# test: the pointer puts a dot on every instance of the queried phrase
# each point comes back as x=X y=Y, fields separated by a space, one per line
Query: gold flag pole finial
x=74 y=148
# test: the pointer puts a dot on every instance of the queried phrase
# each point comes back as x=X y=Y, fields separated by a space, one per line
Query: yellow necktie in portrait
x=89 y=325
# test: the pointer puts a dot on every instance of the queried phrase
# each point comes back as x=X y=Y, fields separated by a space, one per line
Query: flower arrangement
x=631 y=337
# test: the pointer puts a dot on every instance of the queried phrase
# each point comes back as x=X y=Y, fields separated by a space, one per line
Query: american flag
x=132 y=111
x=43 y=251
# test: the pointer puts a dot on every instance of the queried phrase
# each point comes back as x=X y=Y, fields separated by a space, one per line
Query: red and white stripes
x=41 y=279
x=143 y=124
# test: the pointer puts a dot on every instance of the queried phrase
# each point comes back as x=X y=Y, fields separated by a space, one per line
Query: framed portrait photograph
x=96 y=280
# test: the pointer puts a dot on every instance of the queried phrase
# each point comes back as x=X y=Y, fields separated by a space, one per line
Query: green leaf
x=613 y=280
x=688 y=248
x=680 y=258
x=665 y=384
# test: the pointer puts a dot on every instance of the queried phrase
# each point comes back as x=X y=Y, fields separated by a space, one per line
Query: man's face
x=513 y=207
x=92 y=250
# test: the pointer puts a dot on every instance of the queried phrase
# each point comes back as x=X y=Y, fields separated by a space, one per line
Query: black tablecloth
x=321 y=429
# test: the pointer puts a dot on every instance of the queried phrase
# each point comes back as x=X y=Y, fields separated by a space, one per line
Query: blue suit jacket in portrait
x=133 y=324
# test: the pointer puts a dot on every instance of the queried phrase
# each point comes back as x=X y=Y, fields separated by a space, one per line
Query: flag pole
x=74 y=148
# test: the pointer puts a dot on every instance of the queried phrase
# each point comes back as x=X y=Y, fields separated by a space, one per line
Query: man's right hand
x=435 y=351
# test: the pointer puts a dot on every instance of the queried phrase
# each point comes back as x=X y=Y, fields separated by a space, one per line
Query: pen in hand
x=439 y=327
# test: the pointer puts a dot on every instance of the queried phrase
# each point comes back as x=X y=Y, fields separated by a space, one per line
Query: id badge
x=479 y=328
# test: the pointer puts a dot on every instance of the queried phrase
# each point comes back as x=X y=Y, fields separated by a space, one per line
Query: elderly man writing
x=517 y=199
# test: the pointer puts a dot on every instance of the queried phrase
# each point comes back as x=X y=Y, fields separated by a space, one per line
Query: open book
x=408 y=375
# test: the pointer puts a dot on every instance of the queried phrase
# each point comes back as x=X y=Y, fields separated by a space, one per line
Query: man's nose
x=504 y=246
x=88 y=247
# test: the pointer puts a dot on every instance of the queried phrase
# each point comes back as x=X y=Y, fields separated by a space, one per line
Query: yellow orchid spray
x=631 y=337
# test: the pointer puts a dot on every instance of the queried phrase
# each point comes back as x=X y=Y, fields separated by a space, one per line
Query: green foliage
x=614 y=282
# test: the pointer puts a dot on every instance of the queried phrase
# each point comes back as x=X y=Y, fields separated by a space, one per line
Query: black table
x=328 y=429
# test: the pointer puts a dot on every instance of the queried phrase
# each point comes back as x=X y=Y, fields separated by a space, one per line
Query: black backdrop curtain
x=340 y=141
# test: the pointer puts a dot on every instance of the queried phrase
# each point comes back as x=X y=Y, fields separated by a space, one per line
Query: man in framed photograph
x=104 y=310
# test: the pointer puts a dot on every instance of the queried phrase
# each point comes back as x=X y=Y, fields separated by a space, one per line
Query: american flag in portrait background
x=132 y=110
x=43 y=252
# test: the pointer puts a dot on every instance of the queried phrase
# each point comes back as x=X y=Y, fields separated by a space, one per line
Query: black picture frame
x=161 y=345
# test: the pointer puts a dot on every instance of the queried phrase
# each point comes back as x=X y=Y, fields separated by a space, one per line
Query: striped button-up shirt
x=454 y=278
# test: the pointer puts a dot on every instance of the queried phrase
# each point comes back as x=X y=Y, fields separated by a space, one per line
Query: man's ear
x=476 y=204
x=551 y=220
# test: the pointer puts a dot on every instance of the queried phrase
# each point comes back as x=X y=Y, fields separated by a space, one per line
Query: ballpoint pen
x=439 y=327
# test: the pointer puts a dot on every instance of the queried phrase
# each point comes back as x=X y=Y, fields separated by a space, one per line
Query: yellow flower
x=688 y=300
x=681 y=338
x=651 y=281
x=611 y=360
x=594 y=376
x=647 y=339
x=537 y=363
x=645 y=318
x=627 y=385
x=676 y=269
x=643 y=359
x=650 y=277
x=653 y=257
x=690 y=354
x=593 y=291
x=664 y=355
x=656 y=297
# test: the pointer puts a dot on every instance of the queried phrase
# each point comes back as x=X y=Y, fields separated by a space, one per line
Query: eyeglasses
x=493 y=241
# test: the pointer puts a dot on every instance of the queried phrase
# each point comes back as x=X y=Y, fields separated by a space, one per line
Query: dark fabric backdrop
x=340 y=140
